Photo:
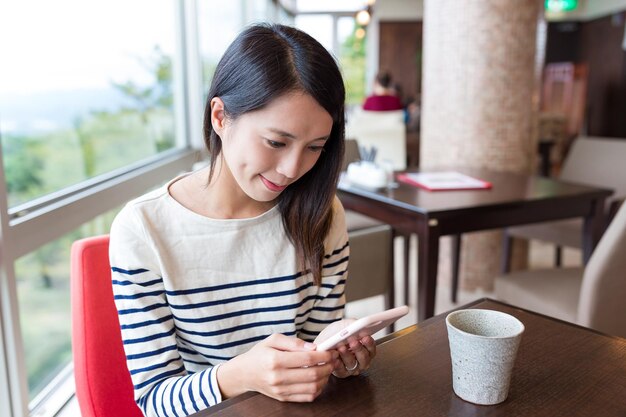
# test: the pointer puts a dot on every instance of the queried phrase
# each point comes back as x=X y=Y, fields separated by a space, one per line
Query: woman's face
x=269 y=149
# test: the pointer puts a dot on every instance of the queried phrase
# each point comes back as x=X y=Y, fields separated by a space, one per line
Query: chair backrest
x=384 y=130
x=103 y=384
x=598 y=162
x=602 y=303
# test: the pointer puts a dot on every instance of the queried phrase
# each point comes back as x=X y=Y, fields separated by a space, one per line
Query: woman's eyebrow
x=282 y=133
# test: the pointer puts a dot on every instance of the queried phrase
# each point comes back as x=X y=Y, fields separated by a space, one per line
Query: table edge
x=441 y=316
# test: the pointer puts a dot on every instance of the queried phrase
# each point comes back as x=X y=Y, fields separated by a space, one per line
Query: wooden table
x=514 y=199
x=561 y=370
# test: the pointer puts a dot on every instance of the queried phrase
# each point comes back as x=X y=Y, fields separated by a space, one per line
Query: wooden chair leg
x=407 y=247
x=390 y=296
x=507 y=249
x=456 y=257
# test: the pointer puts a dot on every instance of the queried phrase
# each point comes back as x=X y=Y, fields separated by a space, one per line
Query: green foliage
x=353 y=67
x=44 y=302
x=97 y=142
x=159 y=94
x=22 y=160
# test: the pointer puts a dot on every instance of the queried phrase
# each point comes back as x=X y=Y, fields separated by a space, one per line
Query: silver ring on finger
x=356 y=365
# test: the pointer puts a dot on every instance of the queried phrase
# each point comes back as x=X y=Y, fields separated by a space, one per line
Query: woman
x=225 y=276
x=384 y=95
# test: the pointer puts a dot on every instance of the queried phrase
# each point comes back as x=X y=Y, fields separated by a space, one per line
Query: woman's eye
x=275 y=144
x=316 y=148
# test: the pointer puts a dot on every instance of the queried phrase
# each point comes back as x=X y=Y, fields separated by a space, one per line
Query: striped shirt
x=193 y=292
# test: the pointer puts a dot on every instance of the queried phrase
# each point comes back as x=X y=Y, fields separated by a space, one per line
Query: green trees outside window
x=98 y=141
x=352 y=61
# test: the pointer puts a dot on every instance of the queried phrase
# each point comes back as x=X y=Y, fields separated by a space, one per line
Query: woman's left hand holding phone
x=281 y=367
x=355 y=354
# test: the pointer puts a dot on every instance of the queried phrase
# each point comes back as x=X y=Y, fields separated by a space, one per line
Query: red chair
x=103 y=384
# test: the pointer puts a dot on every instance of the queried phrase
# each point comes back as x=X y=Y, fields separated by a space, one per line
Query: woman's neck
x=379 y=90
x=221 y=199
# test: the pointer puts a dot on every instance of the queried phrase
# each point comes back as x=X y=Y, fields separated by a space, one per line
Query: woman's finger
x=339 y=369
x=350 y=364
x=294 y=376
x=290 y=352
x=304 y=359
x=361 y=355
x=370 y=344
x=301 y=391
x=286 y=343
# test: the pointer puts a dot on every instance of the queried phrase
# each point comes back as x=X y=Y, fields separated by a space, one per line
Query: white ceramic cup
x=483 y=347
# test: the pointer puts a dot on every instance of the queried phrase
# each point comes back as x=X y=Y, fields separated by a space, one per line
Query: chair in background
x=103 y=384
x=371 y=259
x=592 y=161
x=384 y=130
x=351 y=153
x=552 y=141
x=564 y=92
x=594 y=297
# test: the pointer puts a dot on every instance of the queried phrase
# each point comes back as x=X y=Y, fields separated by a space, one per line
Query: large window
x=94 y=110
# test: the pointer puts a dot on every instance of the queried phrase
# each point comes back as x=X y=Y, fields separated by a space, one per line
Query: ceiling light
x=363 y=17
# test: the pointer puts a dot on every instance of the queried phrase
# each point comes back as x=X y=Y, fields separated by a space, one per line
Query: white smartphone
x=368 y=325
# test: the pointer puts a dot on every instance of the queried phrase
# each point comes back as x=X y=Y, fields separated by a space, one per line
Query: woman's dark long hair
x=263 y=63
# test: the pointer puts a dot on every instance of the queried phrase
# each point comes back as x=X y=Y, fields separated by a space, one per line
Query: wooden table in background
x=514 y=199
x=562 y=370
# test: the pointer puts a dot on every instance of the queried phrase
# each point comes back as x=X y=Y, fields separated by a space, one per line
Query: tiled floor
x=541 y=256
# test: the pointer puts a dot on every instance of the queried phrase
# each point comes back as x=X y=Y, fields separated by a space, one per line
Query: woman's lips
x=271 y=186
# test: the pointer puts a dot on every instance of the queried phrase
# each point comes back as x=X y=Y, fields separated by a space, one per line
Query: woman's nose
x=290 y=165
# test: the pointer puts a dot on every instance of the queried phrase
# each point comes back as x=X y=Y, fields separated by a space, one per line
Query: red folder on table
x=443 y=181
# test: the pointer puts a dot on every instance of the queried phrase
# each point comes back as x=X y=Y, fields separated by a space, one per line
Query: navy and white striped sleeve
x=331 y=300
x=161 y=384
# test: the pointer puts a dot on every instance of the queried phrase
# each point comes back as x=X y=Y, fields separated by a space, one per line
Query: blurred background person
x=383 y=97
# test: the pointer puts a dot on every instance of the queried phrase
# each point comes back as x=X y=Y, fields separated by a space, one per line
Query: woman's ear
x=218 y=117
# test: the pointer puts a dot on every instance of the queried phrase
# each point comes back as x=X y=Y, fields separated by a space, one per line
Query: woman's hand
x=355 y=355
x=281 y=367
